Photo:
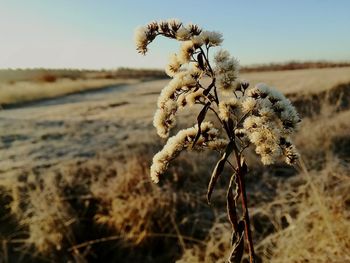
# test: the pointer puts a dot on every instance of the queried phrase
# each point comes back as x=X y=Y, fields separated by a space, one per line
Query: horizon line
x=252 y=65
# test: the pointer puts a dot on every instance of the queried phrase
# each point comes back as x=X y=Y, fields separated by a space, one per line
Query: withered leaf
x=230 y=124
x=200 y=119
x=200 y=61
x=237 y=244
x=244 y=167
x=231 y=205
x=219 y=167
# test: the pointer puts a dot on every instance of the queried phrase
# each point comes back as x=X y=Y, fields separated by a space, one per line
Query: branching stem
x=240 y=172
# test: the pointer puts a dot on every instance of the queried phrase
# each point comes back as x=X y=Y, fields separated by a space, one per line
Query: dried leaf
x=219 y=167
x=200 y=119
x=237 y=251
x=231 y=205
x=230 y=124
x=244 y=167
x=200 y=61
x=238 y=244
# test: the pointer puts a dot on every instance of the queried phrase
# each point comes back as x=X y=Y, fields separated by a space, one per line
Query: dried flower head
x=181 y=141
x=183 y=34
x=195 y=97
x=194 y=29
x=259 y=116
x=227 y=69
x=141 y=39
x=173 y=67
x=229 y=109
x=186 y=51
x=272 y=118
x=211 y=38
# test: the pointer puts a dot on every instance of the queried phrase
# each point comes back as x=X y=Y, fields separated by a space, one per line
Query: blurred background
x=76 y=134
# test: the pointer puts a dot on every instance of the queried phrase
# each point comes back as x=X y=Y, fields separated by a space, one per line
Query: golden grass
x=106 y=208
x=312 y=221
x=294 y=65
x=30 y=90
x=309 y=221
x=132 y=205
x=301 y=81
x=18 y=86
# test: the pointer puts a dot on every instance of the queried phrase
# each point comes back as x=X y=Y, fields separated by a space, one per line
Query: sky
x=93 y=34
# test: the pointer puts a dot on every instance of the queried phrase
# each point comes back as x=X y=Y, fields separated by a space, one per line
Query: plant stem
x=240 y=172
x=247 y=230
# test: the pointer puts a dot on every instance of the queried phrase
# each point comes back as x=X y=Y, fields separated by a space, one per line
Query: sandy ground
x=80 y=126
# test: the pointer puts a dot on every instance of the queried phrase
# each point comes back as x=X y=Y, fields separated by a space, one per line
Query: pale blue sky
x=99 y=34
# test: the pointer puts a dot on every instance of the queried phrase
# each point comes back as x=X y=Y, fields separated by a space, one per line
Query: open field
x=301 y=81
x=74 y=175
x=18 y=86
x=26 y=91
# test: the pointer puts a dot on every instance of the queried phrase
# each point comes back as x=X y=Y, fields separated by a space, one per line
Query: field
x=75 y=187
x=20 y=86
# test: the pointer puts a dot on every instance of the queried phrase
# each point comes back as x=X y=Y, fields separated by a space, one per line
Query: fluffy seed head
x=174 y=65
x=194 y=97
x=212 y=38
x=186 y=51
x=272 y=118
x=183 y=34
x=227 y=69
x=141 y=39
x=182 y=140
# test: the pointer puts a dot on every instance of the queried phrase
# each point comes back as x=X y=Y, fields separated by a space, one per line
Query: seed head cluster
x=270 y=122
x=226 y=70
x=183 y=140
x=259 y=116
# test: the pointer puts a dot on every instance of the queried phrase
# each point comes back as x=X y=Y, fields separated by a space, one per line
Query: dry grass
x=106 y=210
x=125 y=199
x=27 y=85
x=294 y=65
x=312 y=220
x=14 y=75
x=18 y=86
x=309 y=221
x=115 y=202
x=28 y=90
x=129 y=216
x=309 y=218
x=301 y=81
x=45 y=212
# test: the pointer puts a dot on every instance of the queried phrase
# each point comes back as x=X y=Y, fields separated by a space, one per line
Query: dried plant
x=259 y=116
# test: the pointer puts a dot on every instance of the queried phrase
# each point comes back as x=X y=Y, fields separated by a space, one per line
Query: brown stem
x=247 y=230
x=207 y=60
x=240 y=176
